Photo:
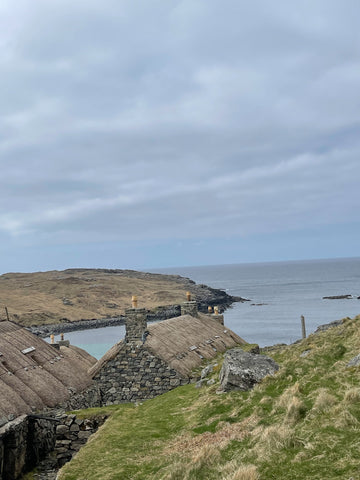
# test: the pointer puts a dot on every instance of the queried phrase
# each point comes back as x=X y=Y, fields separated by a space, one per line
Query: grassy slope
x=302 y=423
x=38 y=298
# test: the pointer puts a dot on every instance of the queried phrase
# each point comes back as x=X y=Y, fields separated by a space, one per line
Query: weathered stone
x=62 y=429
x=63 y=442
x=70 y=419
x=354 y=362
x=205 y=371
x=242 y=370
x=137 y=374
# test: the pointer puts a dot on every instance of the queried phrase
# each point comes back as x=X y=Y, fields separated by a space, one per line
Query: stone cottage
x=155 y=358
x=34 y=374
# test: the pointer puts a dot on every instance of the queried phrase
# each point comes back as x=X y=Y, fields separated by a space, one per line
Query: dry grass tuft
x=270 y=439
x=265 y=400
x=244 y=472
x=177 y=472
x=352 y=395
x=345 y=419
x=324 y=400
x=295 y=411
x=287 y=396
x=206 y=455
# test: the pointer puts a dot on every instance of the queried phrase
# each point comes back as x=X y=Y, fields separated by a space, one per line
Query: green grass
x=302 y=423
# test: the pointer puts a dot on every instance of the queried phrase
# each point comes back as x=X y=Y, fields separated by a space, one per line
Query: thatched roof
x=33 y=374
x=182 y=342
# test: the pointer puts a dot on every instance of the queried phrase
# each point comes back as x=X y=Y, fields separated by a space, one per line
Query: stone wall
x=27 y=440
x=72 y=433
x=91 y=397
x=135 y=374
x=23 y=442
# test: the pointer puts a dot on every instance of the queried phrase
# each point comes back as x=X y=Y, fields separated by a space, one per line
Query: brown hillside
x=78 y=294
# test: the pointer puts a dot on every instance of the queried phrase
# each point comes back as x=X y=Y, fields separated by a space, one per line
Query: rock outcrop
x=242 y=370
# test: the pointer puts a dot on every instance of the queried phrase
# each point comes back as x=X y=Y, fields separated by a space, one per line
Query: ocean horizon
x=279 y=293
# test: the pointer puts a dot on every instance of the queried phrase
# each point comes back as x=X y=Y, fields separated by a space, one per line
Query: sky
x=137 y=134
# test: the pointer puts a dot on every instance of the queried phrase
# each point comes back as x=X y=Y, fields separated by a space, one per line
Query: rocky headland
x=75 y=299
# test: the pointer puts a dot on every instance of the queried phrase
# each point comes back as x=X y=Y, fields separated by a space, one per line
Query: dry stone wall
x=72 y=433
x=23 y=442
x=27 y=440
x=135 y=374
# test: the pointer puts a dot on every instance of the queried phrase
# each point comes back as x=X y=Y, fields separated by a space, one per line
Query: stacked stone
x=91 y=397
x=189 y=308
x=5 y=419
x=23 y=442
x=135 y=374
x=72 y=433
x=135 y=325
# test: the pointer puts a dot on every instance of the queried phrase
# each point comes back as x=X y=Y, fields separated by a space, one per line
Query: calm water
x=285 y=290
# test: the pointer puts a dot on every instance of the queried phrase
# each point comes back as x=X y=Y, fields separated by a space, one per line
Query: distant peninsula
x=79 y=294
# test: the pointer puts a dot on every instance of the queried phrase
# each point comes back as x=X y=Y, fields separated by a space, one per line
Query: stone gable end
x=135 y=374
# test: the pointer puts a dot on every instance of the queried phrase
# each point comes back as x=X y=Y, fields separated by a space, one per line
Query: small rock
x=66 y=301
x=205 y=371
x=354 y=362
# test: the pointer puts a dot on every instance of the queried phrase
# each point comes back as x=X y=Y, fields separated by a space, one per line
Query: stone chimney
x=135 y=324
x=216 y=316
x=189 y=307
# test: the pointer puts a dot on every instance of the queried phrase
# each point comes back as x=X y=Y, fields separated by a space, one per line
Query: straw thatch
x=182 y=342
x=40 y=378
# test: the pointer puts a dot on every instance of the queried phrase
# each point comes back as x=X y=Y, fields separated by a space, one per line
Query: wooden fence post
x=303 y=329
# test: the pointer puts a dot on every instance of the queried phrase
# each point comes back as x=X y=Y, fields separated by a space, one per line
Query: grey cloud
x=178 y=116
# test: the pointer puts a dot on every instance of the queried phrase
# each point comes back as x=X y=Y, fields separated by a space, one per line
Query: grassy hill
x=302 y=423
x=80 y=294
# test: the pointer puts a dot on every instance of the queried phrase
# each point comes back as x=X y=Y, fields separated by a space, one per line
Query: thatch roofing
x=33 y=374
x=182 y=342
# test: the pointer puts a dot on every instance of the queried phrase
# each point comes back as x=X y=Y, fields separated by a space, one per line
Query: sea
x=279 y=294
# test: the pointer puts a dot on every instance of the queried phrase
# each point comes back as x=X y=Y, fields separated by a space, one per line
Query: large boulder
x=242 y=370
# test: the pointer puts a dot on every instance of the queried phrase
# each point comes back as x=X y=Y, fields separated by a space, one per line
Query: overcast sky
x=144 y=134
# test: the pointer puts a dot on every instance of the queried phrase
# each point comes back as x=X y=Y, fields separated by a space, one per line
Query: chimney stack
x=135 y=324
x=216 y=316
x=189 y=307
